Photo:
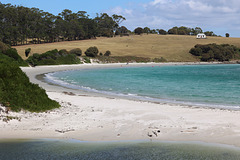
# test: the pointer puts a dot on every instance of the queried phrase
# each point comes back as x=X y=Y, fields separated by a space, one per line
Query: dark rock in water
x=149 y=135
x=155 y=133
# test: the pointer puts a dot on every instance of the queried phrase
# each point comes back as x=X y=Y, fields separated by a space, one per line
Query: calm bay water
x=202 y=85
x=60 y=150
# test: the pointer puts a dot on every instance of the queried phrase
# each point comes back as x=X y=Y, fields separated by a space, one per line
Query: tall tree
x=138 y=30
x=162 y=32
x=146 y=30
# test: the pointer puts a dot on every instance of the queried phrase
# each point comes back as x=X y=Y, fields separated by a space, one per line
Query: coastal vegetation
x=10 y=54
x=16 y=91
x=214 y=52
x=173 y=48
x=55 y=57
x=92 y=52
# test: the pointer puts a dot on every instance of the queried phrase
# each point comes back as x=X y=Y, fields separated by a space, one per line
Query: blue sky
x=220 y=16
x=91 y=6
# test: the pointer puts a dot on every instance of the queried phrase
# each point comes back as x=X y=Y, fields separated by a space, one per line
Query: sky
x=219 y=16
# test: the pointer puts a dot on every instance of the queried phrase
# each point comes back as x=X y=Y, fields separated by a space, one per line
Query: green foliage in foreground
x=214 y=52
x=12 y=55
x=53 y=57
x=3 y=47
x=17 y=92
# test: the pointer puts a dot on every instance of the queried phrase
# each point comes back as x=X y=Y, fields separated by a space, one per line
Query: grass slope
x=171 y=47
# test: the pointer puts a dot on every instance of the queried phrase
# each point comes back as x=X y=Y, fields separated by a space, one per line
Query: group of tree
x=175 y=31
x=214 y=52
x=189 y=31
x=57 y=57
x=147 y=30
x=19 y=25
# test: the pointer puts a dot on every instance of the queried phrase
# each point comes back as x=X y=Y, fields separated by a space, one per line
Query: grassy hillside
x=171 y=47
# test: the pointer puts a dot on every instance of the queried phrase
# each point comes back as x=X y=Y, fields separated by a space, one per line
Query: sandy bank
x=91 y=117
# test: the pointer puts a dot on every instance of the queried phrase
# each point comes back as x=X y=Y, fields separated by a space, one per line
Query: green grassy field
x=171 y=47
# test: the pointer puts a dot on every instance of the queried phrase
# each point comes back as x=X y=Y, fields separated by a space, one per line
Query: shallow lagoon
x=56 y=149
x=216 y=86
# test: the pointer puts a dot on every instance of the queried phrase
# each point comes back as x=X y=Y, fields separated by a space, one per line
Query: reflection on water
x=52 y=149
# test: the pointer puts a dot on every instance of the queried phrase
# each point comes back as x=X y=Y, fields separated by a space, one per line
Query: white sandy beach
x=92 y=117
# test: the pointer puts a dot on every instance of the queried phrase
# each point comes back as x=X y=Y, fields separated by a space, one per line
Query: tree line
x=175 y=31
x=21 y=25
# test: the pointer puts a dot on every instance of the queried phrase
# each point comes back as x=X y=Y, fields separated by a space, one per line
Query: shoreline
x=46 y=79
x=89 y=117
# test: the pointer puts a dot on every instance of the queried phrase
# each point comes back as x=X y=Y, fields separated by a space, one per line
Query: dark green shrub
x=63 y=51
x=87 y=60
x=91 y=52
x=108 y=53
x=18 y=93
x=211 y=52
x=123 y=59
x=76 y=51
x=12 y=53
x=196 y=51
x=7 y=59
x=68 y=59
x=162 y=32
x=205 y=57
x=27 y=51
x=3 y=47
x=100 y=54
x=53 y=58
x=157 y=60
x=50 y=54
x=47 y=62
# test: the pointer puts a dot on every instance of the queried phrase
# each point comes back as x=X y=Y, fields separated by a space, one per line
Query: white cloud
x=221 y=16
x=160 y=2
x=198 y=6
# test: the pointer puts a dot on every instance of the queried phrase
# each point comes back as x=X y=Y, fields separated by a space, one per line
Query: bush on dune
x=18 y=93
x=53 y=57
x=214 y=52
x=13 y=55
x=76 y=51
x=3 y=47
x=91 y=52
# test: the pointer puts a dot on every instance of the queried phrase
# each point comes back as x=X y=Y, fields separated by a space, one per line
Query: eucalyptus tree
x=118 y=19
x=146 y=30
x=19 y=24
x=105 y=25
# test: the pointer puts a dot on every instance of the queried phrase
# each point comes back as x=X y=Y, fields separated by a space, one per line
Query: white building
x=201 y=36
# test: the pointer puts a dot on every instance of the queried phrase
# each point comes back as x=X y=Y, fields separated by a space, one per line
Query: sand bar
x=91 y=117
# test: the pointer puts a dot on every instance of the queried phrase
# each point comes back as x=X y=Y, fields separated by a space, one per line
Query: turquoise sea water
x=202 y=85
x=67 y=150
